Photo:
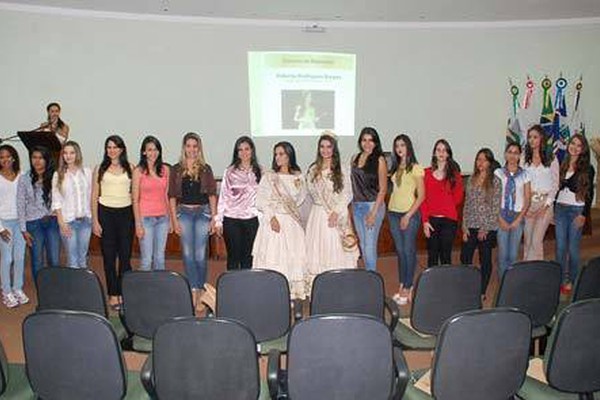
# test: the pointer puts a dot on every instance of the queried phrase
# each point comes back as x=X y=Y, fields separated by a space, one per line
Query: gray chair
x=348 y=357
x=62 y=365
x=587 y=285
x=534 y=288
x=76 y=290
x=209 y=358
x=440 y=293
x=479 y=355
x=151 y=298
x=352 y=291
x=260 y=299
x=13 y=380
x=571 y=364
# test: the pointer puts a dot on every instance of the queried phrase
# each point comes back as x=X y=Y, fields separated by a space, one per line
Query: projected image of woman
x=369 y=185
x=306 y=115
x=330 y=239
x=280 y=243
x=237 y=215
x=193 y=198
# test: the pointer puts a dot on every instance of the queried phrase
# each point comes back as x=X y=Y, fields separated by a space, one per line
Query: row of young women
x=259 y=216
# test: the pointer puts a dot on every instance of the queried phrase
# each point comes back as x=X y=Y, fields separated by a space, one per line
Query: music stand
x=47 y=139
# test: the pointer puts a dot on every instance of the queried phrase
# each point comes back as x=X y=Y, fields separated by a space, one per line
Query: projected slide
x=301 y=93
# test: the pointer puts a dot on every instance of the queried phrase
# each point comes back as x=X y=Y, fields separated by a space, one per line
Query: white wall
x=166 y=78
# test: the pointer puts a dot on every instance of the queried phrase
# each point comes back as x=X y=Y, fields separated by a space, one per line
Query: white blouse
x=544 y=179
x=73 y=199
x=8 y=199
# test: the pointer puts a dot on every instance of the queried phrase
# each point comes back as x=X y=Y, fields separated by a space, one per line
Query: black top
x=572 y=185
x=365 y=184
x=191 y=192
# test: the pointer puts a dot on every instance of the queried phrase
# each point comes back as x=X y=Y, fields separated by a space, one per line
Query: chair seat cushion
x=118 y=327
x=18 y=385
x=408 y=338
x=141 y=344
x=279 y=344
x=536 y=390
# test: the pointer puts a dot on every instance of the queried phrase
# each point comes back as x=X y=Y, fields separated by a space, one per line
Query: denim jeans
x=568 y=237
x=12 y=252
x=508 y=247
x=153 y=243
x=77 y=245
x=405 y=242
x=195 y=223
x=46 y=236
x=367 y=236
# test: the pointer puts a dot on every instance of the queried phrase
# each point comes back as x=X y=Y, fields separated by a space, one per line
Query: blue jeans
x=568 y=237
x=508 y=247
x=46 y=236
x=195 y=223
x=405 y=242
x=77 y=245
x=153 y=243
x=12 y=252
x=367 y=236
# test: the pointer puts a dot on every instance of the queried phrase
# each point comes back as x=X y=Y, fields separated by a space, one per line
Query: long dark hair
x=372 y=162
x=59 y=122
x=235 y=158
x=46 y=176
x=16 y=166
x=582 y=168
x=336 y=167
x=291 y=153
x=488 y=183
x=123 y=161
x=545 y=155
x=411 y=158
x=452 y=168
x=158 y=165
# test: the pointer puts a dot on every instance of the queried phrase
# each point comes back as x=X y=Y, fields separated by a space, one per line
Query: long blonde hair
x=62 y=165
x=199 y=165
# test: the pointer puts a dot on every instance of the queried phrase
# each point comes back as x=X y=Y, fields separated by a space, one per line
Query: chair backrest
x=533 y=287
x=260 y=299
x=151 y=298
x=3 y=370
x=70 y=289
x=588 y=281
x=340 y=357
x=481 y=354
x=73 y=355
x=348 y=291
x=444 y=291
x=210 y=358
x=572 y=360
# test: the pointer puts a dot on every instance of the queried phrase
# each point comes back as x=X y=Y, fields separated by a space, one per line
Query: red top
x=441 y=200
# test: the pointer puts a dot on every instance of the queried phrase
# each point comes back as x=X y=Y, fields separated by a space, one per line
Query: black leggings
x=485 y=254
x=439 y=244
x=117 y=238
x=239 y=237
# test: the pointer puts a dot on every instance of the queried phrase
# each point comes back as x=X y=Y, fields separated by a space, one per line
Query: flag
x=560 y=127
x=576 y=122
x=547 y=116
x=513 y=128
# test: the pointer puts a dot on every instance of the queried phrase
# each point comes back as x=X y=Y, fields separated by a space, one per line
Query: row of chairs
x=481 y=354
x=438 y=296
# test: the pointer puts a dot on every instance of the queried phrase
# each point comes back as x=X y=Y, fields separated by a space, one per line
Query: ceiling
x=345 y=10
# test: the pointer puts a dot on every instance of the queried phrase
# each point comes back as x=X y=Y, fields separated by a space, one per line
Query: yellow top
x=115 y=190
x=404 y=196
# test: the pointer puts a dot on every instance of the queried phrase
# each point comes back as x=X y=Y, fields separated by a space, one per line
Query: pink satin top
x=237 y=198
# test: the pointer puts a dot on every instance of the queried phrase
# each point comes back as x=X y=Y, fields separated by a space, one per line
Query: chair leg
x=586 y=396
x=543 y=341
